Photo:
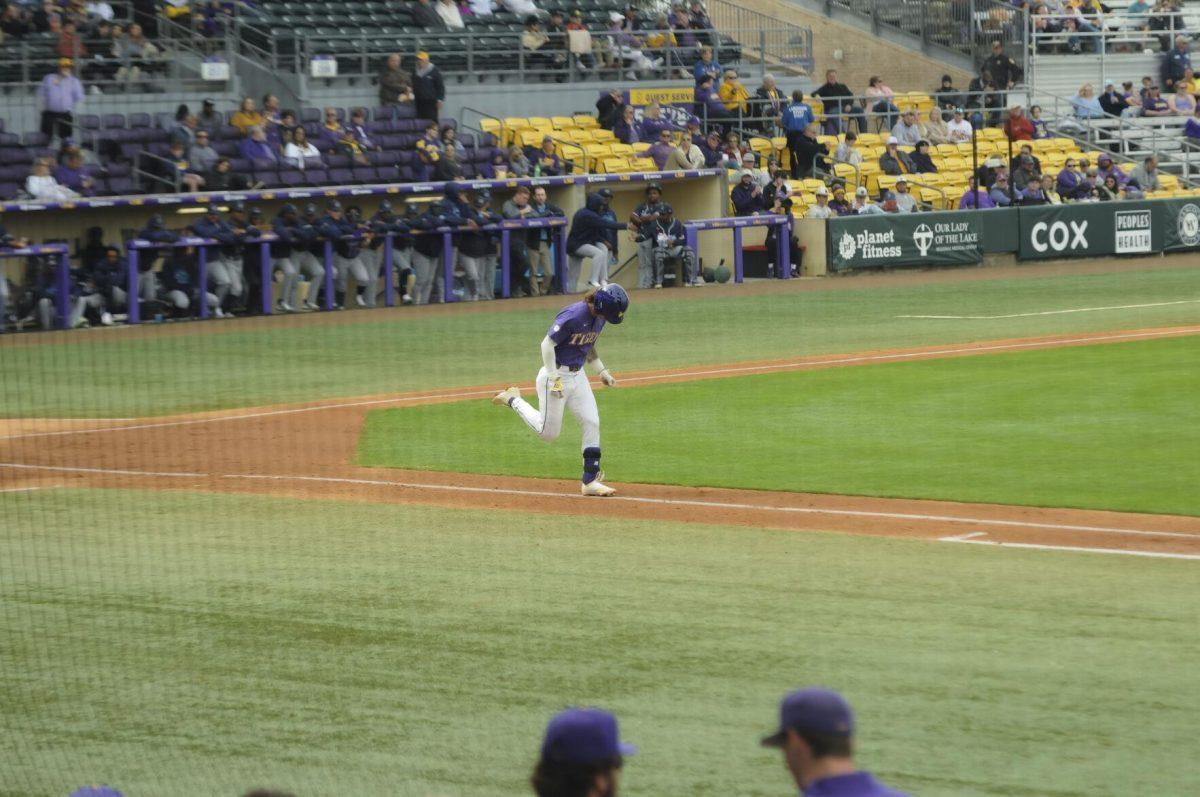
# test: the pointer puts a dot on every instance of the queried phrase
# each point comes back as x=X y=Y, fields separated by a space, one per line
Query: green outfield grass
x=1114 y=426
x=100 y=373
x=204 y=644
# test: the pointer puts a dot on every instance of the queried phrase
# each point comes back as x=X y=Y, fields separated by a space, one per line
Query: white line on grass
x=963 y=537
x=1053 y=312
x=723 y=505
x=19 y=489
x=967 y=538
x=1076 y=548
x=843 y=360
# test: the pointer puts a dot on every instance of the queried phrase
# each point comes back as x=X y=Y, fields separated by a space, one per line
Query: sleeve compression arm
x=548 y=359
x=593 y=362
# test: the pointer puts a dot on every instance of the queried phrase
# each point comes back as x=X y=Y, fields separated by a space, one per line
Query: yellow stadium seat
x=643 y=165
x=622 y=150
x=614 y=165
x=600 y=134
x=869 y=139
x=540 y=121
x=562 y=122
x=640 y=147
x=585 y=121
x=779 y=143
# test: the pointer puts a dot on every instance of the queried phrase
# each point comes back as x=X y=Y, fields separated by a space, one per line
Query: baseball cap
x=96 y=791
x=422 y=56
x=334 y=206
x=862 y=191
x=893 y=140
x=604 y=193
x=212 y=209
x=653 y=187
x=815 y=710
x=901 y=179
x=749 y=156
x=208 y=104
x=666 y=208
x=65 y=62
x=615 y=16
x=583 y=736
x=822 y=191
x=693 y=120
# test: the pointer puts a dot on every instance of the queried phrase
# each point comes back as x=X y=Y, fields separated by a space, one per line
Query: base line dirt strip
x=303 y=451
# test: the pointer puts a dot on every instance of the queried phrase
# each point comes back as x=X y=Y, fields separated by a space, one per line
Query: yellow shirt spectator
x=733 y=93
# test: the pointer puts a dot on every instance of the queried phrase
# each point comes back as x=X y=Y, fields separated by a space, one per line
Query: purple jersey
x=574 y=332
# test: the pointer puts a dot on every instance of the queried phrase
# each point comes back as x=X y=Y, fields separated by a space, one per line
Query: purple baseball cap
x=96 y=791
x=815 y=710
x=583 y=736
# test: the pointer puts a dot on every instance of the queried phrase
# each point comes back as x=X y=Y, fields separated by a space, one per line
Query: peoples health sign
x=904 y=239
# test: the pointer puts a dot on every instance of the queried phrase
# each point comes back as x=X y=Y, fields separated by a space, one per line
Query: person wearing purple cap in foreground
x=582 y=755
x=816 y=734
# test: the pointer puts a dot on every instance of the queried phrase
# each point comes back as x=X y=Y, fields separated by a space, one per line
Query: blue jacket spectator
x=973 y=196
x=747 y=197
x=627 y=129
x=590 y=226
x=798 y=114
x=707 y=66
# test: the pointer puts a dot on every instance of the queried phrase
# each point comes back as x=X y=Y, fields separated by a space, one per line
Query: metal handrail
x=140 y=173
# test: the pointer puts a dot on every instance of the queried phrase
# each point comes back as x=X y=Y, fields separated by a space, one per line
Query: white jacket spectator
x=42 y=186
x=482 y=8
x=959 y=128
x=101 y=10
x=846 y=153
x=522 y=8
x=298 y=149
x=450 y=15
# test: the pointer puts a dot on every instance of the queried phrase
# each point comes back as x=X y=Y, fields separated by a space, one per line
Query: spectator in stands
x=15 y=22
x=447 y=167
x=933 y=128
x=449 y=140
x=707 y=66
x=1109 y=190
x=1146 y=175
x=660 y=151
x=1017 y=125
x=652 y=122
x=546 y=161
x=775 y=186
x=59 y=93
x=1175 y=62
x=862 y=204
x=1087 y=105
x=736 y=149
x=904 y=200
x=209 y=119
x=797 y=116
x=628 y=130
x=332 y=128
x=424 y=15
x=1112 y=102
x=255 y=145
x=1049 y=192
x=662 y=44
x=713 y=151
x=1155 y=104
x=610 y=108
x=358 y=128
x=519 y=208
x=1132 y=98
x=893 y=161
x=429 y=151
x=348 y=145
x=1025 y=174
x=1002 y=68
x=685 y=156
x=1106 y=167
x=847 y=152
x=769 y=103
x=838 y=204
x=1000 y=193
x=201 y=153
x=176 y=169
x=448 y=12
x=907 y=131
x=764 y=176
x=71 y=173
x=223 y=178
x=135 y=52
x=579 y=43
x=42 y=186
x=821 y=209
x=983 y=100
x=70 y=44
x=1191 y=130
x=395 y=85
x=747 y=196
x=707 y=104
x=959 y=128
x=536 y=44
x=1088 y=188
x=1040 y=129
x=429 y=90
x=810 y=152
x=1182 y=102
x=626 y=48
x=272 y=119
x=247 y=116
x=297 y=151
x=518 y=164
x=975 y=198
x=1069 y=178
x=947 y=97
x=733 y=93
x=839 y=105
x=922 y=162
x=880 y=99
x=185 y=130
x=1026 y=151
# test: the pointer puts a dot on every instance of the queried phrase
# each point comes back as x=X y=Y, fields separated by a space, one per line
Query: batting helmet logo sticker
x=846 y=246
x=1188 y=224
x=923 y=238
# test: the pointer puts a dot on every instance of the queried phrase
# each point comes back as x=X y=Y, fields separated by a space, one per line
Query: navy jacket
x=343 y=233
x=589 y=226
x=744 y=201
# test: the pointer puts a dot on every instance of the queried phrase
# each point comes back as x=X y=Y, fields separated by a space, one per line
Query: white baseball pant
x=546 y=422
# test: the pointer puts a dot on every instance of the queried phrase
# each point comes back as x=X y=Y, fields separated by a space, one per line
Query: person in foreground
x=569 y=345
x=582 y=755
x=816 y=734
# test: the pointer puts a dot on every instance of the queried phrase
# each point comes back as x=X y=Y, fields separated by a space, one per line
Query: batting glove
x=607 y=378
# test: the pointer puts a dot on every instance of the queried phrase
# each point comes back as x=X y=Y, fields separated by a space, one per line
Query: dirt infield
x=304 y=451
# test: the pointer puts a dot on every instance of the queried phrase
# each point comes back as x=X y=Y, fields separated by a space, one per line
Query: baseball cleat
x=505 y=397
x=597 y=489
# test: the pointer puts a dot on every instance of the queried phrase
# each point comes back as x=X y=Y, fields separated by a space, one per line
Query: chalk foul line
x=1052 y=312
x=709 y=372
x=1073 y=548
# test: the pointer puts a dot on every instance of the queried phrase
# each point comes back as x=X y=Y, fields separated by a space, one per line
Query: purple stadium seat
x=130 y=151
x=291 y=178
x=16 y=155
x=322 y=144
x=8 y=190
x=10 y=140
x=379 y=127
x=406 y=174
x=159 y=149
x=88 y=121
x=239 y=165
x=2 y=127
x=481 y=155
x=316 y=176
x=487 y=140
x=406 y=157
x=164 y=119
x=13 y=174
x=405 y=111
x=466 y=139
x=468 y=171
x=314 y=163
x=391 y=141
x=139 y=120
x=113 y=121
x=269 y=179
x=337 y=161
x=444 y=123
x=45 y=152
x=228 y=149
x=310 y=115
x=341 y=176
x=118 y=170
x=36 y=139
x=228 y=132
x=406 y=125
x=421 y=124
x=263 y=165
x=381 y=158
x=120 y=185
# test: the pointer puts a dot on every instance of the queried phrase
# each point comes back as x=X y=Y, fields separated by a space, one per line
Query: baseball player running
x=568 y=346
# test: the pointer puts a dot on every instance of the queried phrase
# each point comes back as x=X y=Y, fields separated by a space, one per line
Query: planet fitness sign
x=904 y=239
